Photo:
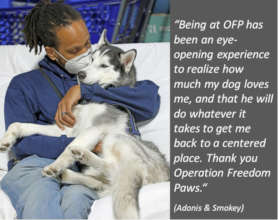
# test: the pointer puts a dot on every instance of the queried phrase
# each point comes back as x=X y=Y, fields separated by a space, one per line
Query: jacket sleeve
x=142 y=100
x=20 y=108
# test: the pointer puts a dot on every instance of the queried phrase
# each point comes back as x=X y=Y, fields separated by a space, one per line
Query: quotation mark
x=177 y=21
x=204 y=185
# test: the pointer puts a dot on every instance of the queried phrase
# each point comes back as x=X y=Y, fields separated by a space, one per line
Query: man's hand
x=64 y=115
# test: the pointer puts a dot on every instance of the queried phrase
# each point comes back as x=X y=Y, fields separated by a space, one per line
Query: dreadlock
x=42 y=21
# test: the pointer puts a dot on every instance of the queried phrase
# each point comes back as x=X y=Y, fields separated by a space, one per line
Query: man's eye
x=75 y=51
x=103 y=66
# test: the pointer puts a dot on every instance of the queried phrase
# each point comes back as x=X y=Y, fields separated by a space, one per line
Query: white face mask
x=78 y=63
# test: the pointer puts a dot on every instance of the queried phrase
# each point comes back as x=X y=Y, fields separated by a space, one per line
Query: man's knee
x=77 y=201
x=23 y=175
x=41 y=200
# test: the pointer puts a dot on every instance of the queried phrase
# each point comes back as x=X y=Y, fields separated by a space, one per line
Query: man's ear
x=127 y=59
x=50 y=53
x=102 y=40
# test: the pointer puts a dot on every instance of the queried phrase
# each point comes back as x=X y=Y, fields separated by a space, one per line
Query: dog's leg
x=17 y=130
x=89 y=159
x=71 y=177
x=125 y=192
x=86 y=140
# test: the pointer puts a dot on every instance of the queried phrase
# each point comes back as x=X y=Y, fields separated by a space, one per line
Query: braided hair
x=41 y=23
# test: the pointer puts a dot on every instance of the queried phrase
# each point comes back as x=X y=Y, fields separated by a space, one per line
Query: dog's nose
x=82 y=75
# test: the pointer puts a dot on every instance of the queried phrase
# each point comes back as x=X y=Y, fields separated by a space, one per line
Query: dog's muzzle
x=82 y=75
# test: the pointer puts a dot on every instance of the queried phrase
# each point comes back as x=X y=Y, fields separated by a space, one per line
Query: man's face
x=73 y=40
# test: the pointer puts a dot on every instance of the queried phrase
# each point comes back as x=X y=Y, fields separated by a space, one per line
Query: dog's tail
x=125 y=194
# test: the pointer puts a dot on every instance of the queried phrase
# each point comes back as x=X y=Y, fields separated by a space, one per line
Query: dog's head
x=110 y=66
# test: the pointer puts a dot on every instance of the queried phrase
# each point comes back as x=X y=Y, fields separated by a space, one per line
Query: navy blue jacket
x=30 y=98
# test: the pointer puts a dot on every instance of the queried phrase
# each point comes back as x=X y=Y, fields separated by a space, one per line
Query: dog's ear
x=127 y=59
x=102 y=40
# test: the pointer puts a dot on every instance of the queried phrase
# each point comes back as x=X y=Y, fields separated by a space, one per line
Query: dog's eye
x=103 y=66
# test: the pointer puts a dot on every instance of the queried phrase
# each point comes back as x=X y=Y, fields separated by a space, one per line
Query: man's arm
x=21 y=108
x=143 y=100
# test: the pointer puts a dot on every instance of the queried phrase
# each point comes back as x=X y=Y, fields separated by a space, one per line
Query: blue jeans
x=35 y=196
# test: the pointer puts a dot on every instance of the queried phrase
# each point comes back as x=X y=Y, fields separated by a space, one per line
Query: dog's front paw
x=79 y=155
x=51 y=171
x=7 y=142
x=10 y=137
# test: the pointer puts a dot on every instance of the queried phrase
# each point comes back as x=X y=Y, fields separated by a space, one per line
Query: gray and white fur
x=126 y=163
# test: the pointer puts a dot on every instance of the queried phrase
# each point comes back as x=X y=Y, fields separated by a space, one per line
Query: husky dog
x=126 y=162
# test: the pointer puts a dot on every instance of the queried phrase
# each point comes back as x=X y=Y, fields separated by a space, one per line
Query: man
x=61 y=31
